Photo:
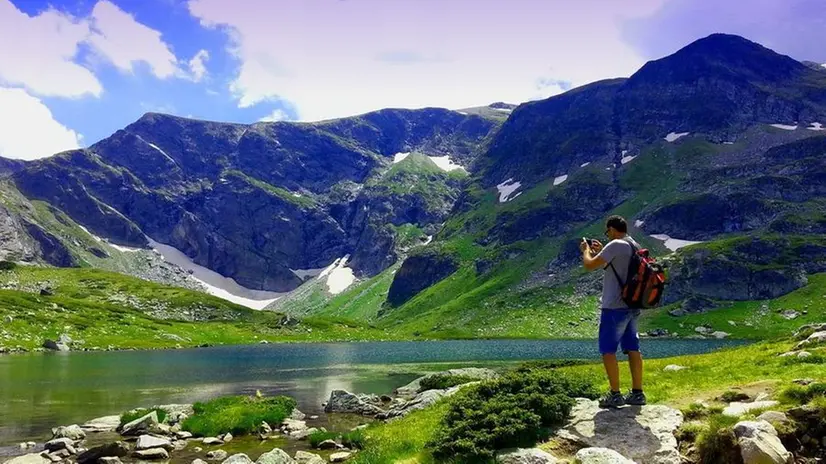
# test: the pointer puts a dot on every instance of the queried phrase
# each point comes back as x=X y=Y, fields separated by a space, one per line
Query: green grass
x=284 y=194
x=128 y=417
x=316 y=438
x=443 y=381
x=239 y=415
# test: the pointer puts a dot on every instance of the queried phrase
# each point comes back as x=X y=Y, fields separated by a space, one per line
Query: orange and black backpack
x=643 y=288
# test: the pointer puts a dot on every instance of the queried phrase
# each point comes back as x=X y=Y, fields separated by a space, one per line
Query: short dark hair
x=618 y=223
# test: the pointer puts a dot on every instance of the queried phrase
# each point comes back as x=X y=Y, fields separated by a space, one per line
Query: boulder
x=342 y=401
x=673 y=368
x=643 y=434
x=759 y=444
x=327 y=445
x=33 y=458
x=102 y=424
x=116 y=449
x=789 y=314
x=72 y=432
x=815 y=339
x=412 y=389
x=738 y=409
x=239 y=458
x=217 y=455
x=176 y=413
x=297 y=415
x=303 y=457
x=600 y=456
x=148 y=442
x=110 y=460
x=153 y=454
x=264 y=428
x=55 y=346
x=340 y=456
x=720 y=335
x=199 y=461
x=423 y=400
x=803 y=355
x=59 y=444
x=773 y=416
x=141 y=425
x=212 y=441
x=183 y=435
x=292 y=425
x=276 y=456
x=227 y=437
x=525 y=456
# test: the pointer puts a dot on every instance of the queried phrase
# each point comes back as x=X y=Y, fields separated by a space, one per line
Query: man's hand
x=583 y=245
x=590 y=259
x=596 y=245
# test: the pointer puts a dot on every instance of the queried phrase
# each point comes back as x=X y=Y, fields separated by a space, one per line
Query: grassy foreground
x=752 y=368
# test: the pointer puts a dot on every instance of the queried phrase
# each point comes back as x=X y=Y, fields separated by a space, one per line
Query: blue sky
x=73 y=72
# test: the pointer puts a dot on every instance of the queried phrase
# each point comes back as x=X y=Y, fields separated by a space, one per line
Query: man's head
x=616 y=228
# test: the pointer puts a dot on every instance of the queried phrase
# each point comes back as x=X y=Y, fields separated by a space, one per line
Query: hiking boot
x=612 y=400
x=635 y=398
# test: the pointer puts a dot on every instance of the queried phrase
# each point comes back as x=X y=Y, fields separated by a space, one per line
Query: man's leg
x=635 y=361
x=609 y=360
x=611 y=328
x=631 y=346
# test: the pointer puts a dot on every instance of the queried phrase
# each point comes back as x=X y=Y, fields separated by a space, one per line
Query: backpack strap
x=611 y=264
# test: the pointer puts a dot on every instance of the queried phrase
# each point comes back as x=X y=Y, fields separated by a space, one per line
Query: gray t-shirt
x=618 y=253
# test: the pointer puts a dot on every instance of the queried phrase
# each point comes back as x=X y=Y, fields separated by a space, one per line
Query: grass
x=284 y=194
x=316 y=438
x=442 y=381
x=239 y=415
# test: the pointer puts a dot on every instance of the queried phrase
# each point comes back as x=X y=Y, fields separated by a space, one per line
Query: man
x=618 y=323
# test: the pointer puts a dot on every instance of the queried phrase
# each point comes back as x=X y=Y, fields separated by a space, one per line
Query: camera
x=590 y=241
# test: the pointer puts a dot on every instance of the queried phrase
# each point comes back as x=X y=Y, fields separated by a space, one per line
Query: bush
x=733 y=396
x=354 y=440
x=317 y=437
x=128 y=417
x=238 y=415
x=801 y=395
x=513 y=411
x=546 y=364
x=7 y=266
x=443 y=381
x=696 y=411
x=717 y=443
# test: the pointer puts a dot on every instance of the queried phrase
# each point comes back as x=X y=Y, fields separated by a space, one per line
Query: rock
x=658 y=333
x=704 y=330
x=276 y=456
x=297 y=415
x=789 y=314
x=198 y=449
x=54 y=457
x=738 y=409
x=762 y=397
x=161 y=429
x=412 y=389
x=199 y=461
x=759 y=444
x=602 y=456
x=178 y=445
x=8 y=319
x=720 y=335
x=292 y=425
x=803 y=355
x=643 y=434
x=694 y=305
x=46 y=292
x=264 y=428
x=59 y=444
x=217 y=455
x=175 y=428
x=327 y=444
x=102 y=424
x=227 y=437
x=141 y=425
x=345 y=402
x=303 y=457
x=54 y=346
x=789 y=354
x=423 y=400
x=72 y=432
x=773 y=416
x=110 y=460
x=803 y=382
x=92 y=455
x=673 y=368
x=732 y=323
x=303 y=434
x=239 y=458
x=525 y=456
x=340 y=457
x=386 y=398
x=153 y=454
x=182 y=435
x=176 y=413
x=419 y=272
x=313 y=417
x=212 y=441
x=814 y=339
x=146 y=442
x=33 y=458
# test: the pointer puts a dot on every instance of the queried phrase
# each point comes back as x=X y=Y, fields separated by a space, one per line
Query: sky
x=74 y=72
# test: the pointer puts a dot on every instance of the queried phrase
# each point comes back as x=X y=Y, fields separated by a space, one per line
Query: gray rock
x=56 y=456
x=803 y=355
x=212 y=441
x=525 y=456
x=815 y=339
x=148 y=442
x=154 y=454
x=264 y=428
x=327 y=445
x=141 y=425
x=345 y=402
x=292 y=425
x=276 y=456
x=789 y=314
x=803 y=382
x=182 y=435
x=303 y=457
x=703 y=330
x=600 y=456
x=720 y=335
x=109 y=460
x=759 y=444
x=73 y=432
x=54 y=346
x=297 y=415
x=340 y=456
x=412 y=389
x=423 y=400
x=8 y=319
x=643 y=434
x=227 y=437
x=102 y=424
x=738 y=409
x=198 y=449
x=773 y=416
x=673 y=368
x=92 y=455
x=33 y=458
x=217 y=455
x=199 y=461
x=239 y=458
x=762 y=397
x=176 y=413
x=60 y=443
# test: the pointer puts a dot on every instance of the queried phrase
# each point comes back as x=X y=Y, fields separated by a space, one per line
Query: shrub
x=813 y=359
x=7 y=266
x=238 y=415
x=354 y=440
x=732 y=396
x=443 y=381
x=801 y=395
x=515 y=410
x=317 y=437
x=128 y=417
x=717 y=444
x=547 y=364
x=695 y=411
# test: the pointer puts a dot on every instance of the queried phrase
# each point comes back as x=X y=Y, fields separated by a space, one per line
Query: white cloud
x=276 y=115
x=124 y=41
x=37 y=52
x=28 y=130
x=329 y=63
x=197 y=65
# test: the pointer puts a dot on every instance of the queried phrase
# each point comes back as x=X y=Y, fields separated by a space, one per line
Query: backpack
x=646 y=279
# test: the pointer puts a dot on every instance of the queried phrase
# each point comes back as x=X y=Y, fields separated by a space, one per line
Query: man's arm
x=589 y=260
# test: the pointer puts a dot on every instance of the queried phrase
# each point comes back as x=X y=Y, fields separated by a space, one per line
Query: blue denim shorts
x=618 y=327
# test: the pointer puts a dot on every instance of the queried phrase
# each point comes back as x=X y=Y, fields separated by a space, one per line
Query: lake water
x=41 y=391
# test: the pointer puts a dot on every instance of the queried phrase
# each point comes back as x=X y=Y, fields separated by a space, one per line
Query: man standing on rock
x=618 y=323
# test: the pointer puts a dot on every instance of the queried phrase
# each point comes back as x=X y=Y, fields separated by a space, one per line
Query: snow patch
x=462 y=112
x=673 y=136
x=120 y=248
x=503 y=110
x=445 y=164
x=338 y=275
x=506 y=189
x=784 y=127
x=638 y=223
x=559 y=180
x=302 y=273
x=624 y=152
x=399 y=157
x=673 y=244
x=627 y=159
x=216 y=284
x=429 y=239
x=816 y=126
x=156 y=148
x=728 y=143
x=584 y=164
